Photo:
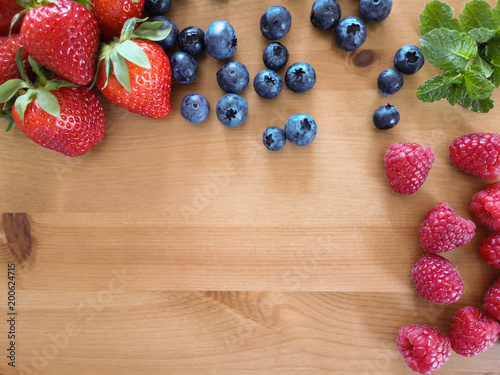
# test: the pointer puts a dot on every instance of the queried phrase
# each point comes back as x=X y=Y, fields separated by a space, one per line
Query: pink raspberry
x=492 y=300
x=472 y=331
x=485 y=206
x=489 y=249
x=477 y=154
x=407 y=166
x=443 y=230
x=424 y=348
x=437 y=280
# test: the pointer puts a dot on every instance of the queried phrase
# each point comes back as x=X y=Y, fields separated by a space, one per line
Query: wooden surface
x=190 y=249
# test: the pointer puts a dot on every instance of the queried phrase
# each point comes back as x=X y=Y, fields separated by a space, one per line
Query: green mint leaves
x=468 y=49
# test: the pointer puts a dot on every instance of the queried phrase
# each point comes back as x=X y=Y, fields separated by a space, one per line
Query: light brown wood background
x=174 y=248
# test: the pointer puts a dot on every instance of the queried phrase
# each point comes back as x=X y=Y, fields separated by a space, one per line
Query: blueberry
x=386 y=117
x=350 y=33
x=389 y=82
x=275 y=22
x=325 y=14
x=275 y=56
x=171 y=39
x=300 y=77
x=408 y=59
x=232 y=110
x=184 y=67
x=301 y=129
x=220 y=40
x=157 y=7
x=233 y=77
x=267 y=84
x=274 y=138
x=195 y=108
x=375 y=10
x=192 y=40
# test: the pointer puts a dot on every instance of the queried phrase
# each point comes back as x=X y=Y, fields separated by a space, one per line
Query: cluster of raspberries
x=472 y=330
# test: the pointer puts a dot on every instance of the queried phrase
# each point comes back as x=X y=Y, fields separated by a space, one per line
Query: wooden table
x=191 y=249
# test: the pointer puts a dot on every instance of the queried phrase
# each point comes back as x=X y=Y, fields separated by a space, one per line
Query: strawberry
x=9 y=9
x=56 y=114
x=8 y=49
x=63 y=36
x=111 y=15
x=134 y=72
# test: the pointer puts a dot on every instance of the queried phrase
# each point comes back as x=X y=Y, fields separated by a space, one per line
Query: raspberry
x=485 y=206
x=477 y=154
x=407 y=166
x=472 y=331
x=424 y=348
x=437 y=280
x=492 y=300
x=443 y=230
x=489 y=249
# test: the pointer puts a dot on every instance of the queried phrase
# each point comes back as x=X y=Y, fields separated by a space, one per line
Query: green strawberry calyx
x=116 y=54
x=20 y=92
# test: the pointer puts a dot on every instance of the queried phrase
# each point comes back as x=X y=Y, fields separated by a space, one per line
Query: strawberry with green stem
x=134 y=72
x=53 y=113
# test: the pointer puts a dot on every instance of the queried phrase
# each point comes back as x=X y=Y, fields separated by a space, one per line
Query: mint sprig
x=467 y=48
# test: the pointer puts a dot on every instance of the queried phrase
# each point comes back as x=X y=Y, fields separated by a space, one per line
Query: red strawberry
x=477 y=154
x=492 y=300
x=489 y=249
x=63 y=37
x=472 y=331
x=443 y=230
x=140 y=78
x=111 y=15
x=9 y=8
x=424 y=348
x=437 y=280
x=8 y=50
x=407 y=166
x=485 y=206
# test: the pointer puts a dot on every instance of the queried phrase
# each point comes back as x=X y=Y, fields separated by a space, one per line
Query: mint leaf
x=455 y=93
x=476 y=105
x=448 y=49
x=484 y=68
x=482 y=34
x=477 y=86
x=496 y=13
x=438 y=15
x=439 y=87
x=478 y=14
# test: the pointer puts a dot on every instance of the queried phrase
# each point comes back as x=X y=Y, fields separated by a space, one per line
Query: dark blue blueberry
x=275 y=56
x=276 y=22
x=274 y=138
x=233 y=77
x=192 y=40
x=267 y=84
x=220 y=40
x=300 y=77
x=157 y=7
x=171 y=39
x=375 y=10
x=325 y=14
x=232 y=110
x=389 y=82
x=408 y=59
x=386 y=117
x=350 y=33
x=184 y=67
x=301 y=129
x=195 y=108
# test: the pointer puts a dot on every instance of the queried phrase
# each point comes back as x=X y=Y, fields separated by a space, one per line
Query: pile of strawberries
x=472 y=330
x=59 y=50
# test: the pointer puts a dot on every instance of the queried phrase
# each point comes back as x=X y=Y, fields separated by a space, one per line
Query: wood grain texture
x=174 y=248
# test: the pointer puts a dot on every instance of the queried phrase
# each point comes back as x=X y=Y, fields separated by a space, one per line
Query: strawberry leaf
x=48 y=102
x=22 y=103
x=129 y=27
x=10 y=88
x=20 y=65
x=133 y=53
x=120 y=69
x=55 y=84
